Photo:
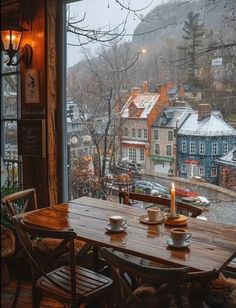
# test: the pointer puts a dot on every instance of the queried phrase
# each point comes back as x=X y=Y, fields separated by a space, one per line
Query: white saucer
x=144 y=219
x=122 y=229
x=184 y=245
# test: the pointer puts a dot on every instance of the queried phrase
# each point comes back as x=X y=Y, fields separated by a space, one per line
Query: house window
x=157 y=149
x=202 y=148
x=213 y=171
x=142 y=154
x=184 y=168
x=139 y=133
x=126 y=131
x=170 y=136
x=156 y=134
x=168 y=150
x=214 y=148
x=202 y=171
x=145 y=133
x=192 y=147
x=132 y=154
x=133 y=133
x=184 y=146
x=225 y=148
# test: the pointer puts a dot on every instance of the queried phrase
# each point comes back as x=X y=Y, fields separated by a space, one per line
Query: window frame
x=192 y=143
x=184 y=146
x=202 y=148
x=214 y=148
x=156 y=134
x=168 y=146
x=170 y=132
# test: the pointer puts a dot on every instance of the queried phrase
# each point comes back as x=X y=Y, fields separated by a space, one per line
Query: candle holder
x=177 y=220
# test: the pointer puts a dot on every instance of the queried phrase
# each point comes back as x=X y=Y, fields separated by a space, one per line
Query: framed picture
x=31 y=136
x=32 y=86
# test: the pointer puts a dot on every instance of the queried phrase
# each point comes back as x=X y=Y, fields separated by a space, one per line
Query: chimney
x=135 y=92
x=145 y=87
x=162 y=90
x=204 y=110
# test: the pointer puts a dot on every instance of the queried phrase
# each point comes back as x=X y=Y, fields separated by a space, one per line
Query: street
x=222 y=208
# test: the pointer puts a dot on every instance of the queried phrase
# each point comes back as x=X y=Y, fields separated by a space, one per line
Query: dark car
x=128 y=167
x=152 y=188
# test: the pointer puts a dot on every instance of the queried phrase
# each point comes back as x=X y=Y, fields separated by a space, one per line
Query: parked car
x=152 y=188
x=128 y=167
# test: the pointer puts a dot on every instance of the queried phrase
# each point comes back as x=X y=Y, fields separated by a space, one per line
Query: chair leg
x=177 y=296
x=18 y=285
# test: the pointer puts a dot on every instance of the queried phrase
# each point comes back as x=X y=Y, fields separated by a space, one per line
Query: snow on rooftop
x=133 y=142
x=228 y=158
x=144 y=101
x=209 y=126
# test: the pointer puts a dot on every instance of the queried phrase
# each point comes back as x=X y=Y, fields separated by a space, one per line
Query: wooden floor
x=25 y=297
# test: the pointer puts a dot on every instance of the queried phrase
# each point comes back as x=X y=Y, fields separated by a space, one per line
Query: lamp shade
x=11 y=38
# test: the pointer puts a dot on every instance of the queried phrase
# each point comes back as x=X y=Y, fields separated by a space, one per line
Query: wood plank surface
x=211 y=244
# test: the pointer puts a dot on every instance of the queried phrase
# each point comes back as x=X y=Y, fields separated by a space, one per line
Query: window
x=126 y=132
x=157 y=149
x=170 y=136
x=184 y=168
x=201 y=148
x=214 y=148
x=132 y=154
x=184 y=146
x=139 y=133
x=156 y=134
x=11 y=163
x=213 y=171
x=133 y=133
x=145 y=133
x=192 y=147
x=202 y=171
x=142 y=154
x=168 y=150
x=225 y=148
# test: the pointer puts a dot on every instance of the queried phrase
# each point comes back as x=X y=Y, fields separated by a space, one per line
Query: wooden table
x=211 y=244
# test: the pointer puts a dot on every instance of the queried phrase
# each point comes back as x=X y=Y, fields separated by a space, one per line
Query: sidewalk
x=193 y=182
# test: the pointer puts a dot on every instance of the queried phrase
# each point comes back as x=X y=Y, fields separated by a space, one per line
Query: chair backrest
x=171 y=276
x=47 y=264
x=182 y=208
x=20 y=201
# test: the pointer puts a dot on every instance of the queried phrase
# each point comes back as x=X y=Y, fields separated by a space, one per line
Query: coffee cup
x=179 y=236
x=153 y=214
x=116 y=222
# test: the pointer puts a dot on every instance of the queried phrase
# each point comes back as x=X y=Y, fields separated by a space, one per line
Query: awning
x=162 y=158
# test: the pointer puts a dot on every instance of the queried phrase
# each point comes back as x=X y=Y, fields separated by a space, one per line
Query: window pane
x=9 y=90
x=10 y=150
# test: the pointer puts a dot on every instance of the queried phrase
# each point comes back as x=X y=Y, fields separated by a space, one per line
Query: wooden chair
x=24 y=201
x=164 y=203
x=69 y=284
x=166 y=279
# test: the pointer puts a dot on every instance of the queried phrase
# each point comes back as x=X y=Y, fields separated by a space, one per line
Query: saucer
x=184 y=245
x=122 y=229
x=144 y=219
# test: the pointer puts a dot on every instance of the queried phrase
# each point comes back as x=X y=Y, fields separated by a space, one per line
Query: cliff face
x=169 y=19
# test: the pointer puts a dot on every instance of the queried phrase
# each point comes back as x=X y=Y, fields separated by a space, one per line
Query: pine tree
x=194 y=32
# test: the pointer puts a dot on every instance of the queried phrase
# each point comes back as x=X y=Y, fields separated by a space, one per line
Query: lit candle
x=172 y=201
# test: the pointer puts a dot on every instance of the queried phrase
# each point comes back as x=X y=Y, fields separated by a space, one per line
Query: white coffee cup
x=179 y=236
x=116 y=222
x=153 y=214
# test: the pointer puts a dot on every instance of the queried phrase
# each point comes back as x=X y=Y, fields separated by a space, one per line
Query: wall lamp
x=11 y=38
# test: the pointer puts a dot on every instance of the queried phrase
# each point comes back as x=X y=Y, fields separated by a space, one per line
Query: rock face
x=169 y=19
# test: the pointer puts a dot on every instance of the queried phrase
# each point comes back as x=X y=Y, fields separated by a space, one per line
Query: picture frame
x=32 y=86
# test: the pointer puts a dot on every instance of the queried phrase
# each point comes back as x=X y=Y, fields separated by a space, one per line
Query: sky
x=104 y=14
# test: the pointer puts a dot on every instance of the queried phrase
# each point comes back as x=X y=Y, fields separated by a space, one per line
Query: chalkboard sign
x=31 y=137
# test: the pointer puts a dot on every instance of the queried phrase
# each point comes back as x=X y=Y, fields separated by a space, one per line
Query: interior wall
x=42 y=172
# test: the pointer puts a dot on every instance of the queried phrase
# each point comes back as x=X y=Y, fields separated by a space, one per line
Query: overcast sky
x=98 y=14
